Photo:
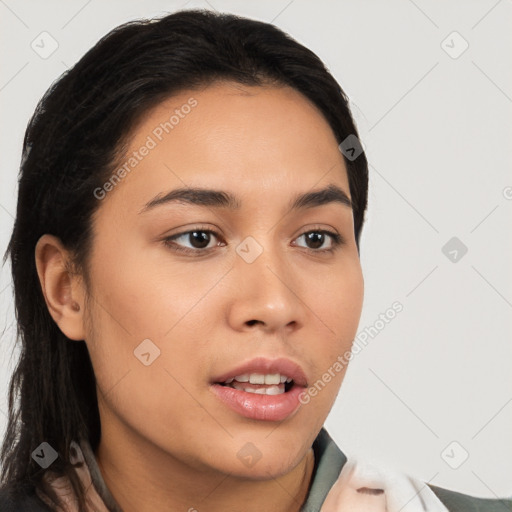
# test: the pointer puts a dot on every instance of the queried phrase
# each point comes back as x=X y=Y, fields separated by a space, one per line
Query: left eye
x=317 y=238
x=201 y=238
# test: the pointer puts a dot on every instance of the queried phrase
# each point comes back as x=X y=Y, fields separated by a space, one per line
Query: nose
x=266 y=290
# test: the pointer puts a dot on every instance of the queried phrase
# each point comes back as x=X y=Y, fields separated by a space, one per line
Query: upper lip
x=263 y=365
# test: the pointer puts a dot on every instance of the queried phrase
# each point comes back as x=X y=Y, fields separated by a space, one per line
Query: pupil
x=200 y=236
x=316 y=238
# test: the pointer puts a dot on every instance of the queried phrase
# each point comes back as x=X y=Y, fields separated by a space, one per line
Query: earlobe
x=62 y=290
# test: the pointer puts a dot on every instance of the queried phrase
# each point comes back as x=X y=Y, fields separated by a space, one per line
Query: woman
x=186 y=267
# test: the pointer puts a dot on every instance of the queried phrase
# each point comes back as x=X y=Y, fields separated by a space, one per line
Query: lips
x=262 y=389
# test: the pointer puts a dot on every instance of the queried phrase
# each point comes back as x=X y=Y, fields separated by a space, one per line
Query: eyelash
x=337 y=241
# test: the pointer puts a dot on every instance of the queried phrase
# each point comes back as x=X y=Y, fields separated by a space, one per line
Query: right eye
x=198 y=238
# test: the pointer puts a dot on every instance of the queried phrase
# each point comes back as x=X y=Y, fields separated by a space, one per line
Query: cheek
x=339 y=308
x=141 y=295
x=340 y=303
x=146 y=396
x=135 y=301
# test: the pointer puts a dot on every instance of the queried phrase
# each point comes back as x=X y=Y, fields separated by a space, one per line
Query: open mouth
x=262 y=389
x=259 y=383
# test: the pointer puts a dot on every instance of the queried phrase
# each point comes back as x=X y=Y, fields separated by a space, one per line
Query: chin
x=265 y=459
x=262 y=471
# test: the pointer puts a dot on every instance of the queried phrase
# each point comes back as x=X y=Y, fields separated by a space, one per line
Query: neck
x=145 y=479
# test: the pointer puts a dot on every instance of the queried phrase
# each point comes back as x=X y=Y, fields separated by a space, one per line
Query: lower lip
x=260 y=407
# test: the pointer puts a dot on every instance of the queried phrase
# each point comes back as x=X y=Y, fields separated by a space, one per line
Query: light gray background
x=438 y=137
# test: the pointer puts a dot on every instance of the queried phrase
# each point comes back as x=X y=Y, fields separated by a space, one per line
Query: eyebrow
x=221 y=199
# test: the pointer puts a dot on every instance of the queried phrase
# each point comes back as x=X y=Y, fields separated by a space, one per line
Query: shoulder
x=457 y=502
x=28 y=502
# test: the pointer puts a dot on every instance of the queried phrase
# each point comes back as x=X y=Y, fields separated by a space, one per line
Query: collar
x=329 y=460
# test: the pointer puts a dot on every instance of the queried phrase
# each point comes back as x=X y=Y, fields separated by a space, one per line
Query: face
x=190 y=298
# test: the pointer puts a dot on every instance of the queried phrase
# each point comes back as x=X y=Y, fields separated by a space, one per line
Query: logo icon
x=146 y=352
x=44 y=455
x=351 y=147
x=454 y=249
x=454 y=455
x=454 y=45
x=44 y=45
x=249 y=455
x=249 y=249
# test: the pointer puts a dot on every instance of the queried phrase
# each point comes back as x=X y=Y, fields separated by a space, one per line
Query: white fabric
x=363 y=487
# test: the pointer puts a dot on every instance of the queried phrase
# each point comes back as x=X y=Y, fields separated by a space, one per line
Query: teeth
x=271 y=390
x=273 y=378
x=257 y=378
x=260 y=378
x=275 y=390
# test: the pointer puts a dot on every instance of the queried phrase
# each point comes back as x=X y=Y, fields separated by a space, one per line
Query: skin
x=167 y=442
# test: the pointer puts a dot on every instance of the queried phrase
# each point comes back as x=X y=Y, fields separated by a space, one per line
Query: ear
x=63 y=291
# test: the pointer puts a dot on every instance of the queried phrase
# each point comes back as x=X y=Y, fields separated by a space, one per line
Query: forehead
x=257 y=140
